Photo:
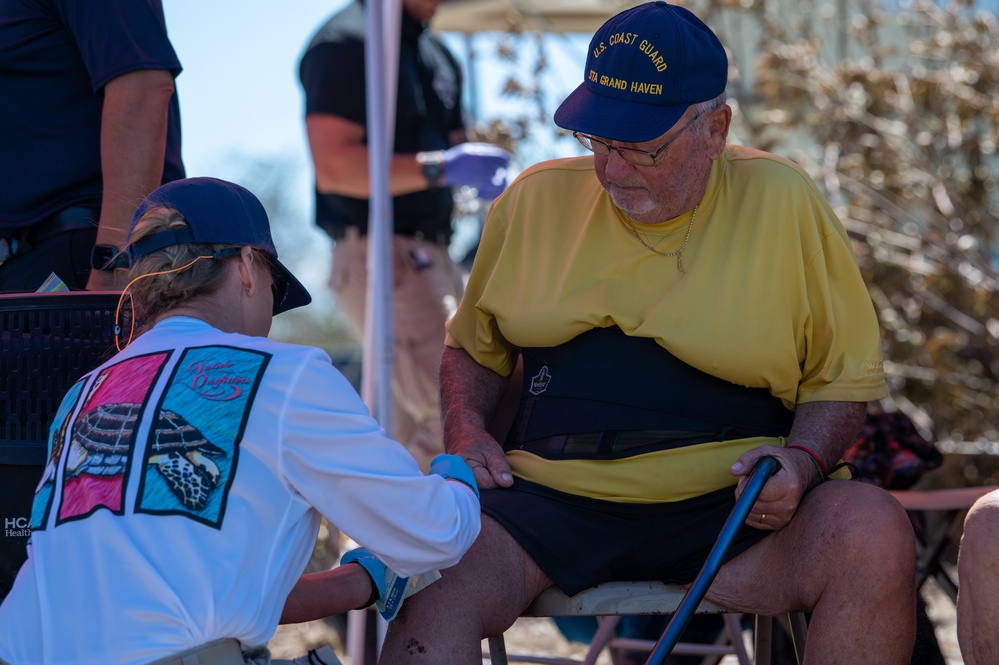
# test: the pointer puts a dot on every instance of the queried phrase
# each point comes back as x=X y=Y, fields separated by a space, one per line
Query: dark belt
x=21 y=240
x=614 y=443
x=73 y=218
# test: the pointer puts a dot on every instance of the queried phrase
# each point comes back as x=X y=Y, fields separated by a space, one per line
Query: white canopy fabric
x=541 y=15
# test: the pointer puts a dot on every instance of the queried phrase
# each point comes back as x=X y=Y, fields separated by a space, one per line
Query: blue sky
x=240 y=100
x=239 y=90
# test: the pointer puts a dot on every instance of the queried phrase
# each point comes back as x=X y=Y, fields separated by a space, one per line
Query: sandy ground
x=941 y=612
x=541 y=637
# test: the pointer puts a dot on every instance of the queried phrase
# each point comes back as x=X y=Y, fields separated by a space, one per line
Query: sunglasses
x=279 y=284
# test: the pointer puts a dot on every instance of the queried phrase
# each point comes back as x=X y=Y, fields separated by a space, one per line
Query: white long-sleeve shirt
x=184 y=493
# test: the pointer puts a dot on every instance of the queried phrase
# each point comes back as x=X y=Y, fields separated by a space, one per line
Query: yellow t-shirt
x=772 y=297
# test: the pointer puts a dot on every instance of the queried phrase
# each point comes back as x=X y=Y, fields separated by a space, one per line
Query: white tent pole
x=381 y=54
x=381 y=73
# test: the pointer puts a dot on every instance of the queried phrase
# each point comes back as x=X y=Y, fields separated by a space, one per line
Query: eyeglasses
x=630 y=155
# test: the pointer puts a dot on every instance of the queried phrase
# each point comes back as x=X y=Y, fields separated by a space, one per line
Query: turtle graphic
x=183 y=455
x=102 y=439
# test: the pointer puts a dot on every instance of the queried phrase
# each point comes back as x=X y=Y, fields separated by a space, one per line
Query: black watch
x=108 y=258
x=433 y=166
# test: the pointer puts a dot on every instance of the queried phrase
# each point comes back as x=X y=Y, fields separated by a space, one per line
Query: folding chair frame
x=952 y=502
x=612 y=600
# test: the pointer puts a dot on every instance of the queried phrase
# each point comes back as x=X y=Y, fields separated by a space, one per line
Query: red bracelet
x=815 y=458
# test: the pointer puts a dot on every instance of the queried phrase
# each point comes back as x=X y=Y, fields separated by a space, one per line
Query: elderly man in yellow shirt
x=681 y=308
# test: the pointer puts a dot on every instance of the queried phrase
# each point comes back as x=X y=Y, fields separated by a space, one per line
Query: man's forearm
x=470 y=392
x=827 y=429
x=341 y=162
x=133 y=143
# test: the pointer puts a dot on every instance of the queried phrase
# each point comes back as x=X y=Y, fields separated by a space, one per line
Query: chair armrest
x=943 y=499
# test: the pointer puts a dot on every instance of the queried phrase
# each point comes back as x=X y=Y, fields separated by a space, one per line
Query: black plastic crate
x=47 y=342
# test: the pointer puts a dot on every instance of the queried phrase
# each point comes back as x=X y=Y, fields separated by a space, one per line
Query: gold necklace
x=678 y=253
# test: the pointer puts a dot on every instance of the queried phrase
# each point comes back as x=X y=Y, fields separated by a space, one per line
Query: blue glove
x=392 y=589
x=455 y=468
x=371 y=564
x=479 y=165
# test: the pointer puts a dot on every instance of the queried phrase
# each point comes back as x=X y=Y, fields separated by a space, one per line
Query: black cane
x=765 y=467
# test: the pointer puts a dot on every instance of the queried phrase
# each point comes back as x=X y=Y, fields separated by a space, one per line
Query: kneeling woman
x=188 y=473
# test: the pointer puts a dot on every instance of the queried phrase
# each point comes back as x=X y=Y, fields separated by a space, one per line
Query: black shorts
x=580 y=542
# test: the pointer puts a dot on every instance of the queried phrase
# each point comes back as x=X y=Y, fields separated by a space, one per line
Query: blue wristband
x=455 y=468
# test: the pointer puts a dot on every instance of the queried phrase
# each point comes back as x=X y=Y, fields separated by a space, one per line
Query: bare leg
x=480 y=597
x=848 y=556
x=320 y=595
x=978 y=574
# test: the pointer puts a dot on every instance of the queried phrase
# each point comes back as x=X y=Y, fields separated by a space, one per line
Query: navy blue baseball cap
x=217 y=212
x=645 y=67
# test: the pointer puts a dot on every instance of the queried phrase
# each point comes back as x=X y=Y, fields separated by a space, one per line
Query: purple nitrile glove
x=479 y=165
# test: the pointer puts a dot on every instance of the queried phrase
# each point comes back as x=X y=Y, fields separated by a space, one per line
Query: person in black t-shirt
x=431 y=156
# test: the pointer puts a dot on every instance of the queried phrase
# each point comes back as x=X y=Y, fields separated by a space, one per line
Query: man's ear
x=719 y=120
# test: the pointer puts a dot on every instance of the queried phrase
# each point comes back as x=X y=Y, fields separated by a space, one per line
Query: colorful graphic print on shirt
x=97 y=461
x=189 y=458
x=193 y=446
x=57 y=436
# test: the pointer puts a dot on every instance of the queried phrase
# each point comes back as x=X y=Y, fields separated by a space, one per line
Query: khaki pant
x=218 y=652
x=227 y=652
x=426 y=287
